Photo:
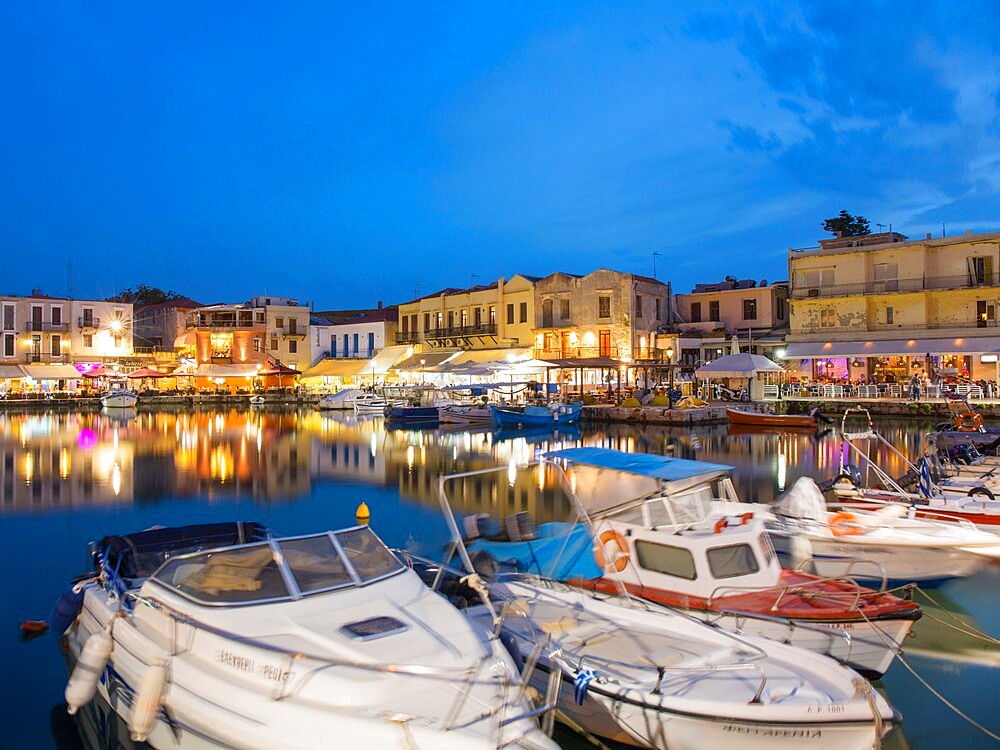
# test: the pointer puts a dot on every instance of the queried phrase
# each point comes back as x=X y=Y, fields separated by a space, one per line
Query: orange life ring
x=969 y=421
x=611 y=551
x=844 y=524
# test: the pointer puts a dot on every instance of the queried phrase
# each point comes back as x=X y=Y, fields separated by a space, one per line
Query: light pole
x=670 y=376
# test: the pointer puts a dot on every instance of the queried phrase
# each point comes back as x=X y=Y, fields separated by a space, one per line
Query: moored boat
x=636 y=672
x=221 y=636
x=740 y=418
x=341 y=400
x=534 y=415
x=118 y=396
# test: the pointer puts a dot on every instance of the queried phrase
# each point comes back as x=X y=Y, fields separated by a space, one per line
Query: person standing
x=915 y=388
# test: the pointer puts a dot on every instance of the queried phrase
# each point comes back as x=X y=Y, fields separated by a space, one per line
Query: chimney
x=928 y=235
x=380 y=304
x=36 y=292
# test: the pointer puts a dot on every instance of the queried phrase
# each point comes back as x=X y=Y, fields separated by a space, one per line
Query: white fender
x=83 y=682
x=147 y=701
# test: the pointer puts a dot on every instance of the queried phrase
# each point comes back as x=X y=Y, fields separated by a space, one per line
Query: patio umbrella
x=146 y=372
x=100 y=372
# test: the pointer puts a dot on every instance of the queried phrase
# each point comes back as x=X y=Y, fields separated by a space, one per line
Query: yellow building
x=494 y=316
x=885 y=307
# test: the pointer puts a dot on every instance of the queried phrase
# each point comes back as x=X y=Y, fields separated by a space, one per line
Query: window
x=663 y=558
x=985 y=313
x=604 y=343
x=510 y=313
x=406 y=324
x=427 y=321
x=493 y=315
x=658 y=315
x=274 y=343
x=88 y=317
x=293 y=346
x=477 y=317
x=57 y=316
x=347 y=346
x=980 y=270
x=464 y=318
x=413 y=323
x=333 y=346
x=814 y=278
x=36 y=317
x=564 y=309
x=257 y=344
x=638 y=306
x=713 y=310
x=8 y=345
x=781 y=308
x=279 y=323
x=371 y=343
x=732 y=560
x=886 y=277
x=259 y=315
x=439 y=320
x=56 y=342
x=293 y=325
x=547 y=313
x=890 y=316
x=749 y=309
x=695 y=312
x=356 y=350
x=604 y=307
x=523 y=312
x=8 y=317
x=451 y=319
x=827 y=318
x=117 y=340
x=88 y=340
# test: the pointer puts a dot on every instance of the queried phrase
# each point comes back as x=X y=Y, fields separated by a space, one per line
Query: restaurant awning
x=382 y=362
x=425 y=360
x=344 y=368
x=11 y=372
x=911 y=347
x=225 y=371
x=482 y=356
x=51 y=372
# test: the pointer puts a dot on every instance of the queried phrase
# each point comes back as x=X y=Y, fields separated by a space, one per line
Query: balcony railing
x=223 y=325
x=896 y=286
x=44 y=357
x=88 y=322
x=288 y=331
x=407 y=337
x=958 y=325
x=39 y=325
x=483 y=329
x=576 y=352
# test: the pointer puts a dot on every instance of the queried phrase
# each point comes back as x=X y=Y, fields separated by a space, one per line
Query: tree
x=846 y=225
x=144 y=295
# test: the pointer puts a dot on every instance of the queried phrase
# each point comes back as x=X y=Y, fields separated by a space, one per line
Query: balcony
x=896 y=286
x=86 y=322
x=287 y=332
x=957 y=325
x=46 y=327
x=223 y=324
x=407 y=337
x=576 y=352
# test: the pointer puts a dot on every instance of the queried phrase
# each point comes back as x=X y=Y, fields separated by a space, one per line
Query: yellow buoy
x=363 y=514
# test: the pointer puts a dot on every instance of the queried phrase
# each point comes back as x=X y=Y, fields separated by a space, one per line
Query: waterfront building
x=46 y=342
x=160 y=328
x=230 y=344
x=711 y=315
x=884 y=307
x=348 y=345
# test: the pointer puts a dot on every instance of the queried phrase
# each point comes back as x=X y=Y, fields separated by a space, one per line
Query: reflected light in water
x=29 y=467
x=409 y=456
x=512 y=471
x=65 y=464
x=116 y=479
x=782 y=468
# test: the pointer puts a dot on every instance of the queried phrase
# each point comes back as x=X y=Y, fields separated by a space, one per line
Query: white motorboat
x=221 y=636
x=118 y=396
x=372 y=403
x=465 y=414
x=257 y=400
x=630 y=670
x=889 y=543
x=341 y=400
x=654 y=529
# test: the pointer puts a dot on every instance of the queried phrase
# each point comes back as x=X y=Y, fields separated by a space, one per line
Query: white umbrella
x=734 y=345
x=741 y=365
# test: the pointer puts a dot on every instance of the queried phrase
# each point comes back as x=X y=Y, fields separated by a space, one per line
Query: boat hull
x=537 y=416
x=411 y=414
x=119 y=400
x=741 y=418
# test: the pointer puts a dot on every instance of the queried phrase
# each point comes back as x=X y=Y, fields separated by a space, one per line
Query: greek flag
x=581 y=683
x=924 y=484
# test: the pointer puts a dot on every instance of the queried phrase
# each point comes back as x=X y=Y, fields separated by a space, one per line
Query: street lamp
x=670 y=375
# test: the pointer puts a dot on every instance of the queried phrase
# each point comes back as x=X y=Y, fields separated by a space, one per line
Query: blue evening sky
x=345 y=153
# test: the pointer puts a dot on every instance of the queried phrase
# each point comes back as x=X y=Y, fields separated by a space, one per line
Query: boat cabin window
x=691 y=506
x=769 y=553
x=315 y=564
x=732 y=560
x=663 y=558
x=234 y=575
x=369 y=557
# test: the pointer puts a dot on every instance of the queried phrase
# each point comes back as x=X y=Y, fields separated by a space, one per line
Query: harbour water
x=66 y=479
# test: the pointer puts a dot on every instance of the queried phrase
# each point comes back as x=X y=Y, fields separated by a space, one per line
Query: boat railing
x=925 y=514
x=812 y=589
x=851 y=565
x=477 y=672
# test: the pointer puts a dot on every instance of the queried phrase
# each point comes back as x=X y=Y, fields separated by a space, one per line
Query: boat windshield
x=682 y=508
x=280 y=568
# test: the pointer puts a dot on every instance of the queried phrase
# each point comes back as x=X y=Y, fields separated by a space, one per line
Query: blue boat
x=412 y=414
x=537 y=416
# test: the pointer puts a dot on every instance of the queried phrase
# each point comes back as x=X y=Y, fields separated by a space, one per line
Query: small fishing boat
x=740 y=418
x=412 y=415
x=534 y=415
x=654 y=528
x=341 y=400
x=118 y=395
x=633 y=671
x=466 y=414
x=888 y=543
x=220 y=635
x=372 y=403
x=257 y=400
